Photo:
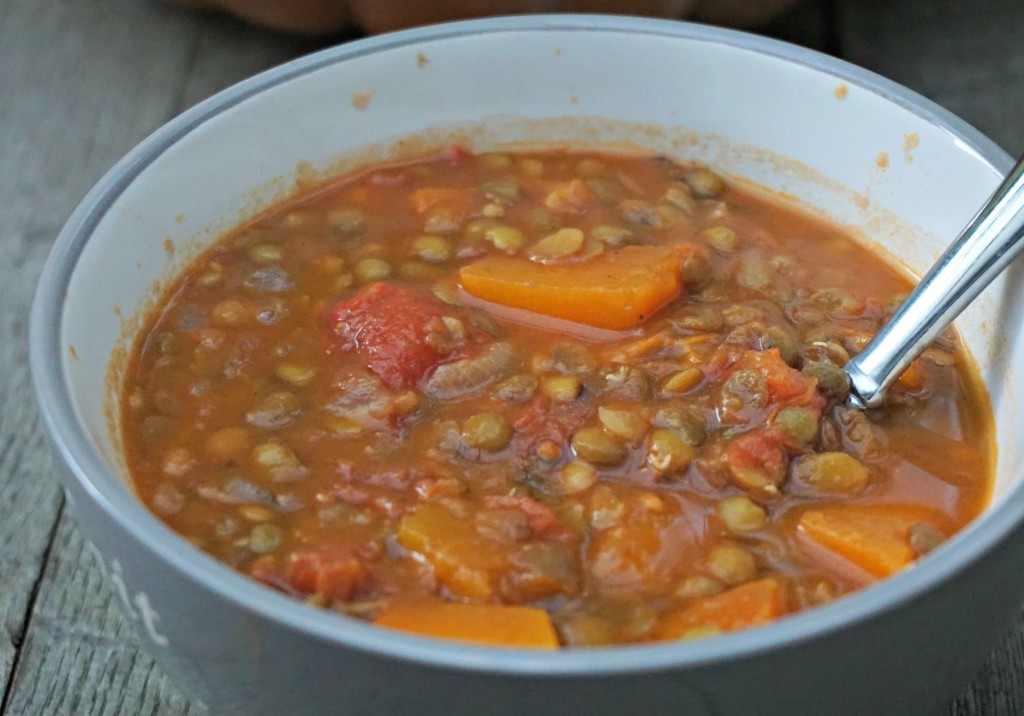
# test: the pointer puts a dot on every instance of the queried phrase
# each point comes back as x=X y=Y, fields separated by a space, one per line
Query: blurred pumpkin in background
x=316 y=17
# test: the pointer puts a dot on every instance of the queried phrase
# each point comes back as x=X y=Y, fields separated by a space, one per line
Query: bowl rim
x=70 y=440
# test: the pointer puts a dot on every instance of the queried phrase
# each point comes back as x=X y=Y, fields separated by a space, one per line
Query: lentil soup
x=547 y=399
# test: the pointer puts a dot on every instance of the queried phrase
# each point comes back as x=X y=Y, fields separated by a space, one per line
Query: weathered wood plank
x=966 y=56
x=998 y=689
x=84 y=80
x=81 y=656
x=29 y=498
x=61 y=128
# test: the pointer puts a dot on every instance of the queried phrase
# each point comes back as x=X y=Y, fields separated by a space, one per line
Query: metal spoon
x=984 y=248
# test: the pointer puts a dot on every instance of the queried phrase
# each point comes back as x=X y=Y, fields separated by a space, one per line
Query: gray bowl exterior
x=904 y=647
x=909 y=660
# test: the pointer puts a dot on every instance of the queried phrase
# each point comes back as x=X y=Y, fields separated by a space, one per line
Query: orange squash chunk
x=493 y=625
x=872 y=538
x=617 y=290
x=465 y=562
x=741 y=607
x=646 y=549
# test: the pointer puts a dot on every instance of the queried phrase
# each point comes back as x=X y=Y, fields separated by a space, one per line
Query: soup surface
x=547 y=399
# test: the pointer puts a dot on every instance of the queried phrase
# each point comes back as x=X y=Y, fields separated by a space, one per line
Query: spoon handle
x=984 y=248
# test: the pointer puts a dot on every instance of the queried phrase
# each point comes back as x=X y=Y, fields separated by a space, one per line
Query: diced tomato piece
x=543 y=420
x=543 y=521
x=391 y=326
x=783 y=387
x=755 y=449
x=455 y=154
x=646 y=542
x=340 y=579
x=265 y=570
x=336 y=579
x=303 y=572
x=787 y=387
x=756 y=459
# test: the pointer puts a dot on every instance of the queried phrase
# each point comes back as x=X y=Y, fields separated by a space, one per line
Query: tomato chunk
x=336 y=579
x=756 y=460
x=399 y=331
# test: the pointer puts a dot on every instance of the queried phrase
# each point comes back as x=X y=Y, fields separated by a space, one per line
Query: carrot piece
x=875 y=539
x=495 y=625
x=616 y=290
x=741 y=607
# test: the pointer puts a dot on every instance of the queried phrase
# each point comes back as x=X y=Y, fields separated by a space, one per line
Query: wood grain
x=998 y=689
x=62 y=126
x=81 y=656
x=84 y=81
x=29 y=498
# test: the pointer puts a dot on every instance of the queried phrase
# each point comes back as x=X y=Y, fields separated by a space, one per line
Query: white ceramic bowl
x=790 y=119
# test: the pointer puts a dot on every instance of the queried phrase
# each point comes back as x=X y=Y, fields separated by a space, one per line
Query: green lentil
x=722 y=239
x=561 y=387
x=434 y=249
x=295 y=374
x=731 y=564
x=611 y=234
x=629 y=425
x=347 y=221
x=668 y=453
x=505 y=238
x=576 y=477
x=559 y=245
x=800 y=424
x=487 y=431
x=831 y=472
x=372 y=269
x=741 y=514
x=265 y=538
x=704 y=183
x=598 y=447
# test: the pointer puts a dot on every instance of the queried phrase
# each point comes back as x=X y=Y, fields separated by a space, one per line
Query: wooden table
x=81 y=81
